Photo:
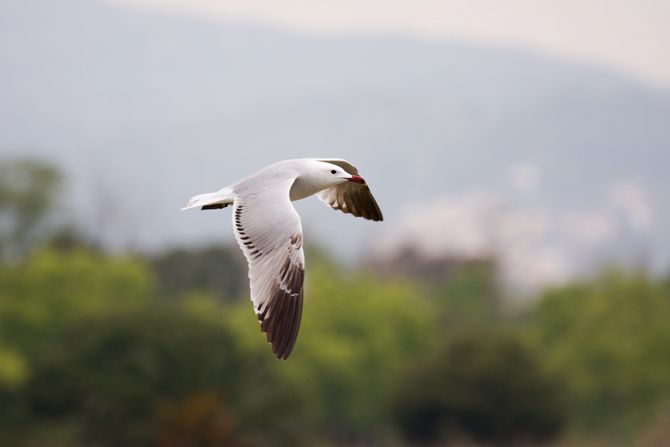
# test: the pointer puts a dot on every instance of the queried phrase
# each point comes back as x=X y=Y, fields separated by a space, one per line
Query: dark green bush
x=158 y=377
x=485 y=387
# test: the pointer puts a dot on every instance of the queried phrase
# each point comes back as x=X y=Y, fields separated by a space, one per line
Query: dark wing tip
x=281 y=319
x=361 y=203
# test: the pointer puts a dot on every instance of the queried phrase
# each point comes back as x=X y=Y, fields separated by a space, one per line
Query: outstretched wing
x=269 y=232
x=351 y=197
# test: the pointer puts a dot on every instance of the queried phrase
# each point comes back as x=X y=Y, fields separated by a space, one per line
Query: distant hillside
x=146 y=110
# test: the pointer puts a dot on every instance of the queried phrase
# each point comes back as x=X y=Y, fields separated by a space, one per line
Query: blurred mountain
x=145 y=110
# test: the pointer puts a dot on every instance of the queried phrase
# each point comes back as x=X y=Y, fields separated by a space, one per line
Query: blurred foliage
x=13 y=368
x=469 y=295
x=356 y=337
x=104 y=350
x=486 y=387
x=220 y=271
x=29 y=193
x=610 y=339
x=657 y=434
x=51 y=290
x=160 y=376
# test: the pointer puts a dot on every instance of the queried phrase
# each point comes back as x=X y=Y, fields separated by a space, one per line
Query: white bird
x=268 y=231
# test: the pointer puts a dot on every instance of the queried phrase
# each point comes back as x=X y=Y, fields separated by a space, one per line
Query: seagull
x=268 y=231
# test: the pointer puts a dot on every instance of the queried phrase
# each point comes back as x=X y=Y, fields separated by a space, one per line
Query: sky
x=108 y=108
x=632 y=37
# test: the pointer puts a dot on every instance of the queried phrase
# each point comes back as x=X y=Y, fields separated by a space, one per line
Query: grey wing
x=269 y=232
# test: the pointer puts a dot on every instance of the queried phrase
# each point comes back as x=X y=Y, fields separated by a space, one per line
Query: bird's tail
x=212 y=200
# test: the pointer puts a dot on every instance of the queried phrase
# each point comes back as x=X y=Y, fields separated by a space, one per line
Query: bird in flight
x=268 y=231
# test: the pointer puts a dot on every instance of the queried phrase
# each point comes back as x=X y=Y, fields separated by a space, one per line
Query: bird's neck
x=305 y=186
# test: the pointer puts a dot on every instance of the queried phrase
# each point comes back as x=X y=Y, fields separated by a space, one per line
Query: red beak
x=356 y=179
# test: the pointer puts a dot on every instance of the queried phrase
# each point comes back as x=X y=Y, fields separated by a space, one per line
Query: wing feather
x=269 y=232
x=352 y=198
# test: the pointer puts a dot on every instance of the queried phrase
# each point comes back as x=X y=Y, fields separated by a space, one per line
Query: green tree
x=52 y=289
x=160 y=376
x=357 y=334
x=219 y=271
x=43 y=296
x=610 y=339
x=469 y=295
x=13 y=368
x=485 y=387
x=29 y=197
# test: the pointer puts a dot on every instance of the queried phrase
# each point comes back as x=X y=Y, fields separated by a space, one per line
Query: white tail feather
x=224 y=197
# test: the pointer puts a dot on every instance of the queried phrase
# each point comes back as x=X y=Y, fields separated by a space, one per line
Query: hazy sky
x=630 y=36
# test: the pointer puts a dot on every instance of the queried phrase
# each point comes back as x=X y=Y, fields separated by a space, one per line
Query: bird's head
x=334 y=175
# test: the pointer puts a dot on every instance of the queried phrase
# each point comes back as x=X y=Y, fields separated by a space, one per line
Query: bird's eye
x=333 y=171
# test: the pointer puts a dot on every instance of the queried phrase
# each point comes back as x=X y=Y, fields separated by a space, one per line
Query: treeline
x=100 y=349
